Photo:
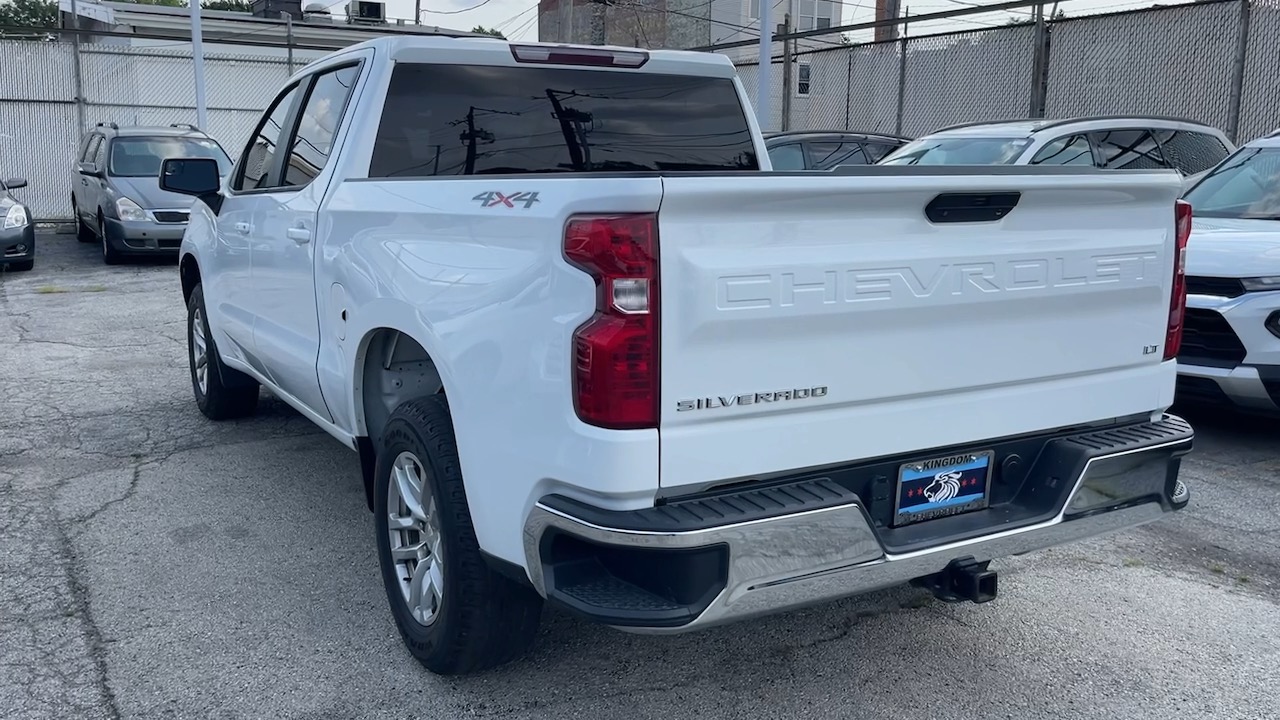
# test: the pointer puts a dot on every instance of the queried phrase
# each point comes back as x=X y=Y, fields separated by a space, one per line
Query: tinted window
x=466 y=120
x=317 y=125
x=787 y=157
x=1245 y=186
x=141 y=156
x=1128 y=150
x=91 y=150
x=876 y=151
x=826 y=155
x=1191 y=152
x=87 y=147
x=255 y=164
x=1070 y=150
x=959 y=151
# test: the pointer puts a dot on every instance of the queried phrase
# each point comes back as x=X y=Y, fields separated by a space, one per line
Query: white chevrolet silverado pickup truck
x=592 y=351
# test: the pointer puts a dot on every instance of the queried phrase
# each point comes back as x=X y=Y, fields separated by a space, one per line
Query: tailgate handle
x=971 y=207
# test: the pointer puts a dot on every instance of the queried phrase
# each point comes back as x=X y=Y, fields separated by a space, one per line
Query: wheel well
x=396 y=369
x=189 y=271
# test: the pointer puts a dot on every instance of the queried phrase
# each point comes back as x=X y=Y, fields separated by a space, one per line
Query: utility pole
x=763 y=87
x=597 y=21
x=75 y=63
x=788 y=61
x=197 y=58
x=572 y=126
x=288 y=35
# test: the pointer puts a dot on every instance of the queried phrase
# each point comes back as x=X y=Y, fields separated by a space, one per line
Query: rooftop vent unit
x=367 y=12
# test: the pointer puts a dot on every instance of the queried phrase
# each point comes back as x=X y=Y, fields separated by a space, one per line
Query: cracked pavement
x=157 y=565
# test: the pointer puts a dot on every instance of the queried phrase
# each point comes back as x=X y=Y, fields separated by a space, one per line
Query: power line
x=480 y=4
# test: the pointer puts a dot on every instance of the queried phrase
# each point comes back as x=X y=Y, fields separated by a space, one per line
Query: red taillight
x=1178 y=301
x=570 y=55
x=615 y=353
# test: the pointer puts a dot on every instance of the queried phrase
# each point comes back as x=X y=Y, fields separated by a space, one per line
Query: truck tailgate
x=824 y=318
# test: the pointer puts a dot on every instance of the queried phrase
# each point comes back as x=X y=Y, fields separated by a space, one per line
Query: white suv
x=1110 y=143
x=1231 y=338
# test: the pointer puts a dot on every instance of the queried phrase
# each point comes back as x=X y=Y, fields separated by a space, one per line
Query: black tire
x=22 y=266
x=83 y=233
x=110 y=255
x=228 y=393
x=484 y=619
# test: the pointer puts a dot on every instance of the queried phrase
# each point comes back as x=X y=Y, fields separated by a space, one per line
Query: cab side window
x=787 y=157
x=1191 y=152
x=311 y=145
x=1069 y=150
x=1128 y=150
x=257 y=163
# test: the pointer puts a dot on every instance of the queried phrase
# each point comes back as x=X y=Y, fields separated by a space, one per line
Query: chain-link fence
x=1214 y=61
x=44 y=111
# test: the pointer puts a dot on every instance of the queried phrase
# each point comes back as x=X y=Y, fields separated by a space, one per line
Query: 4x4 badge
x=496 y=199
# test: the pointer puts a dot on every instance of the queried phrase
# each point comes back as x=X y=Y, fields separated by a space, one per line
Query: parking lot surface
x=158 y=565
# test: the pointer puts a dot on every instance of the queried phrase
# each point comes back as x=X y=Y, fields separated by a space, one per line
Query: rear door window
x=787 y=157
x=1128 y=150
x=876 y=151
x=473 y=120
x=1191 y=152
x=1069 y=150
x=826 y=155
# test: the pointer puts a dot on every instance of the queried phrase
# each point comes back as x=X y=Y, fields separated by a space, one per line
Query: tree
x=488 y=31
x=29 y=13
x=227 y=5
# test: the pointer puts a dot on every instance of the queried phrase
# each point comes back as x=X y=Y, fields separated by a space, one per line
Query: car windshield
x=141 y=156
x=1246 y=185
x=958 y=151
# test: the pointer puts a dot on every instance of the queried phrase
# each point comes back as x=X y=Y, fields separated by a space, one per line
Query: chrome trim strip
x=792 y=561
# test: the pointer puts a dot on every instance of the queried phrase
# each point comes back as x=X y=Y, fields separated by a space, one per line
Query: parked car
x=685 y=394
x=116 y=197
x=1231 y=340
x=17 y=231
x=1110 y=143
x=826 y=149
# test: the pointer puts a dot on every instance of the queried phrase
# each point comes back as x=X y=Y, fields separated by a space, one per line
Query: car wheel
x=110 y=255
x=455 y=614
x=222 y=393
x=83 y=233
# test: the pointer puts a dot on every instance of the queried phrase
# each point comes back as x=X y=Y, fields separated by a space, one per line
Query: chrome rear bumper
x=805 y=556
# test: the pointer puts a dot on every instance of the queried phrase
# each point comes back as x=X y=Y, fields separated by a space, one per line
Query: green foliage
x=488 y=31
x=29 y=13
x=227 y=5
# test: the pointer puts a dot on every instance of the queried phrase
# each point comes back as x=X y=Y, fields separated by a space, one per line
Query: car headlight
x=1261 y=284
x=16 y=217
x=127 y=209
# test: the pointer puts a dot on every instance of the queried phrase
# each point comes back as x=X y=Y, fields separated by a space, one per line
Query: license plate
x=943 y=486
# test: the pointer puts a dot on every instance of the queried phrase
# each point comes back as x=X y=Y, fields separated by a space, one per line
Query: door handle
x=299 y=235
x=243 y=228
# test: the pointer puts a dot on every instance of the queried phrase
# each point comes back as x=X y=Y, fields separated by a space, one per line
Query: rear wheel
x=455 y=614
x=221 y=392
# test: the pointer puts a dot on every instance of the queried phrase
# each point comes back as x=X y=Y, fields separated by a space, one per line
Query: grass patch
x=1217 y=570
x=1133 y=563
x=51 y=290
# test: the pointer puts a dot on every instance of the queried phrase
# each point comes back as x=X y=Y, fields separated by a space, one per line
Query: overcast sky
x=518 y=18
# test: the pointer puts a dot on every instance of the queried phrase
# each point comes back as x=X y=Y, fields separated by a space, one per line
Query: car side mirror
x=193 y=176
x=15 y=183
x=88 y=168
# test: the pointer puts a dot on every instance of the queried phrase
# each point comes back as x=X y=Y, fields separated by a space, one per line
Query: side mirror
x=190 y=176
x=88 y=168
x=15 y=183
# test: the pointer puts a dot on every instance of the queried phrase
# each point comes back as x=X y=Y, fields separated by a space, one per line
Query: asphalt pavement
x=156 y=565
